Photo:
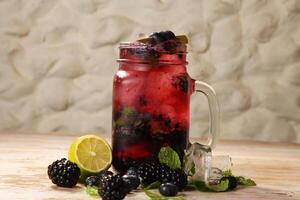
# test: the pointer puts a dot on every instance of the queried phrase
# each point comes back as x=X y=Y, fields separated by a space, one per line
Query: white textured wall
x=57 y=60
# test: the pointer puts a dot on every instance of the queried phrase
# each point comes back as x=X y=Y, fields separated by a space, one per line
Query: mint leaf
x=192 y=171
x=92 y=190
x=155 y=196
x=128 y=111
x=227 y=173
x=188 y=166
x=221 y=187
x=169 y=157
x=203 y=187
x=245 y=181
x=153 y=185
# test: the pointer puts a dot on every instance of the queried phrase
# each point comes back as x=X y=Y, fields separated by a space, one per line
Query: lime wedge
x=182 y=38
x=91 y=153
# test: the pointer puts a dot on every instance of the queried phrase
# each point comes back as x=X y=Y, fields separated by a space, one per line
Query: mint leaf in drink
x=92 y=190
x=128 y=111
x=192 y=171
x=220 y=187
x=245 y=181
x=155 y=196
x=169 y=157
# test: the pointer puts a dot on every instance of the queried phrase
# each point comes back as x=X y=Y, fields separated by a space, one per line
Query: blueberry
x=168 y=189
x=92 y=181
x=132 y=181
x=232 y=182
x=132 y=171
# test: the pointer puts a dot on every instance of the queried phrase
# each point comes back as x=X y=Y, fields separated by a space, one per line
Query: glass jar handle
x=214 y=118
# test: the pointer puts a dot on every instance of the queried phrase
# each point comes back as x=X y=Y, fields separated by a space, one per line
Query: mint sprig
x=203 y=187
x=241 y=180
x=169 y=157
x=245 y=181
x=92 y=190
x=155 y=196
x=227 y=173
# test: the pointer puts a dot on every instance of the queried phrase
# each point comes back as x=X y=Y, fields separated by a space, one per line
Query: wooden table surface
x=24 y=159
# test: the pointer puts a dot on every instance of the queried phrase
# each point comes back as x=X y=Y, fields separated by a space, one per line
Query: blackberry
x=181 y=82
x=167 y=35
x=158 y=37
x=167 y=122
x=232 y=182
x=112 y=187
x=168 y=189
x=92 y=181
x=166 y=39
x=105 y=175
x=142 y=100
x=177 y=177
x=64 y=173
x=151 y=172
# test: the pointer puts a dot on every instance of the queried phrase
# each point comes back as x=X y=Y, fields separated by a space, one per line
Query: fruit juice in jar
x=151 y=96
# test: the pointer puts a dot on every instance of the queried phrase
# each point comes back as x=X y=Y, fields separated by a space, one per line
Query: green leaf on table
x=153 y=185
x=221 y=187
x=92 y=190
x=169 y=157
x=245 y=181
x=200 y=186
x=155 y=196
x=227 y=173
x=203 y=187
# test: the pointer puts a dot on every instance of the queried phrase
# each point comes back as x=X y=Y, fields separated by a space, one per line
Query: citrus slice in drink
x=91 y=153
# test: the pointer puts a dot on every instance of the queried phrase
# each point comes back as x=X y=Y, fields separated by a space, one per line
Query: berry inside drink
x=151 y=96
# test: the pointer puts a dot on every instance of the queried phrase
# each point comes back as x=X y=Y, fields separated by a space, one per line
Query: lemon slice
x=91 y=153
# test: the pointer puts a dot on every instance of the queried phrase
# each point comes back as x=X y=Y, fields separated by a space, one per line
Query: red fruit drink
x=151 y=99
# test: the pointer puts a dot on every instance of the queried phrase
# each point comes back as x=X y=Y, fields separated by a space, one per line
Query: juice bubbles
x=151 y=97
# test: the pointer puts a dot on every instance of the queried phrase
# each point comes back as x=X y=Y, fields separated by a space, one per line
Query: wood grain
x=24 y=159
